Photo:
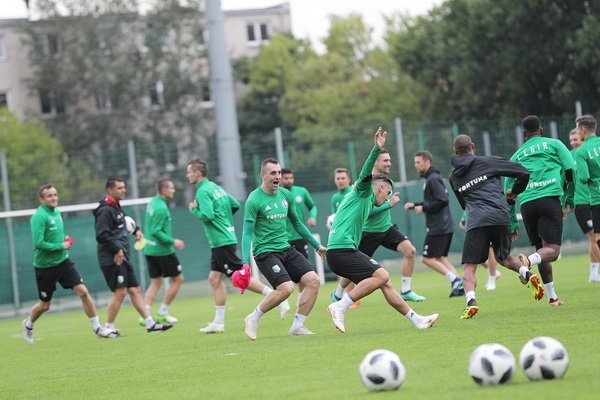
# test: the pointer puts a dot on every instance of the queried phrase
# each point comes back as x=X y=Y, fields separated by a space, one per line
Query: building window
x=3 y=99
x=258 y=33
x=157 y=95
x=52 y=102
x=106 y=99
x=205 y=88
x=3 y=55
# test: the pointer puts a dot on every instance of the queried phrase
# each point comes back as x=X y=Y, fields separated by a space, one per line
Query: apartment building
x=245 y=31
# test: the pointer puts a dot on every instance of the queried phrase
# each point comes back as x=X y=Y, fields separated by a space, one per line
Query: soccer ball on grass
x=544 y=358
x=492 y=364
x=382 y=370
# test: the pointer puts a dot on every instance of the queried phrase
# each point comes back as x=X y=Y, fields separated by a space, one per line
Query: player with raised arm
x=343 y=255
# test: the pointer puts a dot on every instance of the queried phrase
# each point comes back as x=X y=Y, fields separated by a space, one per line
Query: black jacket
x=476 y=182
x=111 y=233
x=436 y=204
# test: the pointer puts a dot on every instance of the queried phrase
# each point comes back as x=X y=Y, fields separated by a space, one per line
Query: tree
x=493 y=59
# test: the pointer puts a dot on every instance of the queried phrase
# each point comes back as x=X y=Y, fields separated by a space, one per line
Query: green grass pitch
x=67 y=361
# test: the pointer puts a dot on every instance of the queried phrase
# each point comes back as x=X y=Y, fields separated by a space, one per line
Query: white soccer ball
x=382 y=370
x=130 y=224
x=329 y=222
x=492 y=364
x=544 y=358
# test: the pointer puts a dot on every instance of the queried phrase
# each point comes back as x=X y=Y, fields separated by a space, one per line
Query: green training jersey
x=581 y=191
x=215 y=209
x=269 y=214
x=48 y=235
x=380 y=218
x=337 y=198
x=158 y=228
x=303 y=200
x=352 y=214
x=546 y=159
x=587 y=160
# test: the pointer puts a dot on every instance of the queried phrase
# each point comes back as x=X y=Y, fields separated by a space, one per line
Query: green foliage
x=496 y=59
x=185 y=364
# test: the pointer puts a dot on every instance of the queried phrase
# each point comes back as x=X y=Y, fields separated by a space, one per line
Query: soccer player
x=267 y=210
x=549 y=163
x=214 y=207
x=113 y=256
x=379 y=231
x=583 y=213
x=346 y=259
x=303 y=201
x=477 y=184
x=160 y=251
x=438 y=221
x=52 y=264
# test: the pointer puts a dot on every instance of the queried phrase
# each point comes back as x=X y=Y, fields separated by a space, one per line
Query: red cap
x=241 y=278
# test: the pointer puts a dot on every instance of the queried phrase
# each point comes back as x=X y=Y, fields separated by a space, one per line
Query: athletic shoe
x=555 y=302
x=594 y=278
x=159 y=328
x=283 y=307
x=213 y=327
x=334 y=298
x=166 y=319
x=525 y=260
x=490 y=286
x=104 y=333
x=300 y=331
x=457 y=288
x=498 y=275
x=142 y=322
x=411 y=296
x=251 y=327
x=534 y=284
x=469 y=312
x=428 y=322
x=337 y=316
x=355 y=304
x=27 y=333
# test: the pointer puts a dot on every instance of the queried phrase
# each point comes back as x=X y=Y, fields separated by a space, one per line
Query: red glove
x=69 y=239
x=241 y=278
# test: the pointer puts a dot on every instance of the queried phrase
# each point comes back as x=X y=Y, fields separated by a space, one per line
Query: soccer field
x=68 y=362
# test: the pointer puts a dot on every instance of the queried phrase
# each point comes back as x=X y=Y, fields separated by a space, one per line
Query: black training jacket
x=111 y=233
x=476 y=182
x=436 y=203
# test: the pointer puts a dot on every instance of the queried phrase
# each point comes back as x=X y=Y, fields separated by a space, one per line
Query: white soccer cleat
x=251 y=327
x=166 y=319
x=27 y=333
x=594 y=278
x=283 y=307
x=213 y=327
x=104 y=333
x=490 y=286
x=337 y=316
x=428 y=322
x=300 y=331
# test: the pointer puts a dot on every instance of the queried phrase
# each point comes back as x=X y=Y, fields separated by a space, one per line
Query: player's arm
x=439 y=194
x=302 y=229
x=247 y=232
x=583 y=169
x=310 y=204
x=103 y=231
x=460 y=199
x=378 y=209
x=38 y=228
x=233 y=203
x=204 y=209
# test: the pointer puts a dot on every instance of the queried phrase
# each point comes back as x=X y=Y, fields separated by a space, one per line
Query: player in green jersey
x=160 y=251
x=344 y=256
x=267 y=210
x=549 y=163
x=214 y=207
x=52 y=264
x=587 y=159
x=583 y=213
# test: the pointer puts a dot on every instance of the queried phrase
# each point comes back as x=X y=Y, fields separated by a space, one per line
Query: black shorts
x=437 y=246
x=352 y=264
x=117 y=276
x=64 y=273
x=596 y=217
x=583 y=215
x=389 y=239
x=167 y=266
x=284 y=266
x=478 y=240
x=301 y=245
x=225 y=260
x=543 y=220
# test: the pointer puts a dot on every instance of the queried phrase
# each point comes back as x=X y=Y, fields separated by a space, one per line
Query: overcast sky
x=309 y=17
